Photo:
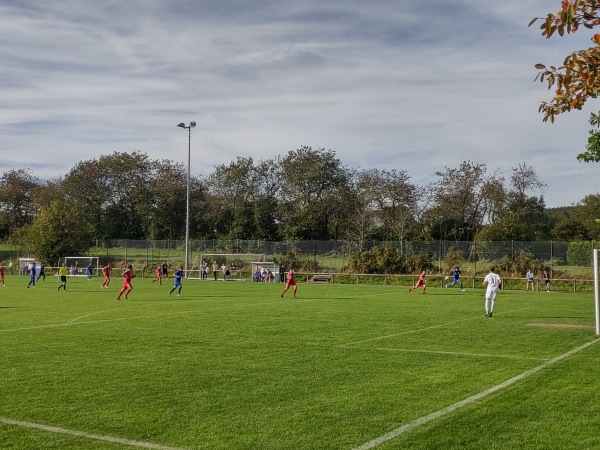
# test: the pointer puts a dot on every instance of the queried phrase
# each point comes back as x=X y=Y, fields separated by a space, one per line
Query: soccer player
x=62 y=272
x=290 y=282
x=456 y=278
x=420 y=282
x=90 y=271
x=493 y=282
x=158 y=274
x=42 y=274
x=2 y=274
x=178 y=275
x=127 y=287
x=32 y=273
x=106 y=271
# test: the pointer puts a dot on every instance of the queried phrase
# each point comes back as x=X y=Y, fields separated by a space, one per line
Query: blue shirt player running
x=177 y=282
x=32 y=273
x=455 y=278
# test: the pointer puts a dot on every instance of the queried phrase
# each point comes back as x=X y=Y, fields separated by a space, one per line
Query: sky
x=406 y=85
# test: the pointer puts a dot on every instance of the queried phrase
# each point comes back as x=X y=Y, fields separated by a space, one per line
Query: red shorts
x=290 y=283
x=420 y=283
x=126 y=284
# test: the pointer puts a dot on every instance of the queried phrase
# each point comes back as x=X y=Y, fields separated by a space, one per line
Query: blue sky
x=385 y=84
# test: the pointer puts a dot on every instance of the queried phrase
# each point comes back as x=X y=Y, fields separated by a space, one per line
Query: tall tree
x=264 y=197
x=578 y=221
x=113 y=193
x=310 y=184
x=232 y=187
x=518 y=216
x=461 y=200
x=59 y=231
x=17 y=207
x=362 y=222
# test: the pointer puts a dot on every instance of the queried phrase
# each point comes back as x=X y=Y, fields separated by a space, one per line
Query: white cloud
x=406 y=85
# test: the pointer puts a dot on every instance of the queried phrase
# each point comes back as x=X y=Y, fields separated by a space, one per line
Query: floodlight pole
x=187 y=200
x=597 y=291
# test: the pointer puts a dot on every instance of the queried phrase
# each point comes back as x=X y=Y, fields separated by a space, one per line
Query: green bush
x=520 y=264
x=453 y=258
x=379 y=259
x=579 y=254
x=384 y=260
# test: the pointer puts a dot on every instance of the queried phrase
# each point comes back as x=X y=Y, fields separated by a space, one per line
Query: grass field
x=231 y=365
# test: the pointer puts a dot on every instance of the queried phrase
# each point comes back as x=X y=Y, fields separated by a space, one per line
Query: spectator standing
x=529 y=277
x=215 y=269
x=546 y=278
x=224 y=270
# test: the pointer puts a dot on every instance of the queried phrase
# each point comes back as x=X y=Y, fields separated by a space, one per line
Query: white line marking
x=76 y=319
x=121 y=319
x=442 y=412
x=418 y=330
x=83 y=434
x=475 y=355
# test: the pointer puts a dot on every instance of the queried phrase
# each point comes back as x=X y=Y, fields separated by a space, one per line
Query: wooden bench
x=321 y=278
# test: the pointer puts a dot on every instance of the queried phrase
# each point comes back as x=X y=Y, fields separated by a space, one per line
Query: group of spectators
x=530 y=278
x=263 y=275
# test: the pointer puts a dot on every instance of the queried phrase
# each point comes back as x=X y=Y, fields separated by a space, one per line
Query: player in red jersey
x=106 y=270
x=290 y=282
x=127 y=287
x=420 y=282
x=158 y=275
x=2 y=273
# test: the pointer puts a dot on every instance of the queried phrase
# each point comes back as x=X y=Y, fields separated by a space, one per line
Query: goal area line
x=449 y=409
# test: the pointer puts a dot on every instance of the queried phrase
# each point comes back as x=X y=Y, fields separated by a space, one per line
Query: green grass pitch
x=232 y=365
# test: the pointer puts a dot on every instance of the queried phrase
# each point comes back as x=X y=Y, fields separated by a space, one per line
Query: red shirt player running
x=158 y=275
x=290 y=282
x=420 y=282
x=2 y=273
x=106 y=270
x=127 y=287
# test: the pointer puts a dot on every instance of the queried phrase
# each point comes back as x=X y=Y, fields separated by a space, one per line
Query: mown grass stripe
x=86 y=435
x=442 y=412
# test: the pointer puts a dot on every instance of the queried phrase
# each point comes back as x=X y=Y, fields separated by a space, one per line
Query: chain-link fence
x=334 y=255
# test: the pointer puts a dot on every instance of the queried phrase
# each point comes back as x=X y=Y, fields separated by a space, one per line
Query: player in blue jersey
x=177 y=282
x=32 y=272
x=42 y=273
x=455 y=278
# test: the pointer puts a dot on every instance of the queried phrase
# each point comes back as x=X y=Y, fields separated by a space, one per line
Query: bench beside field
x=321 y=279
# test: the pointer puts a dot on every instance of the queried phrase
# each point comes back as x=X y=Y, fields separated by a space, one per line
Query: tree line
x=303 y=195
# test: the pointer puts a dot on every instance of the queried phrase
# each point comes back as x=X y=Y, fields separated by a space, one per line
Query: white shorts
x=491 y=293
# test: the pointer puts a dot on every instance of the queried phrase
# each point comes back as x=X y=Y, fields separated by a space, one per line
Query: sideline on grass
x=442 y=412
x=83 y=434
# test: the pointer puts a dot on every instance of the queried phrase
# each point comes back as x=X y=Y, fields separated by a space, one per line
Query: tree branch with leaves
x=578 y=79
